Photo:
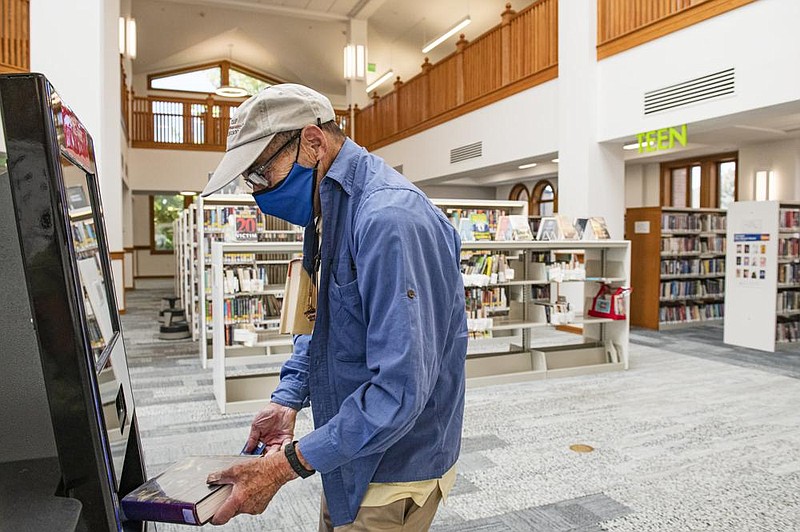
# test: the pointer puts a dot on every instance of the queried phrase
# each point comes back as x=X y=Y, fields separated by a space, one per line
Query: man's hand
x=255 y=483
x=274 y=426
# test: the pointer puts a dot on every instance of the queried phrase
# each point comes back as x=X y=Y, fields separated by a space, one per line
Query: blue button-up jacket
x=384 y=368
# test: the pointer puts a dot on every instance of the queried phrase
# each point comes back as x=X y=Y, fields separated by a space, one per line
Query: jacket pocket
x=347 y=327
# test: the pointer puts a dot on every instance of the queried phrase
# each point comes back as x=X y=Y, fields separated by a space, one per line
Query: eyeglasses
x=261 y=177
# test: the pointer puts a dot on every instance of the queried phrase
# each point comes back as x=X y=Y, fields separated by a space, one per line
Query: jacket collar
x=343 y=169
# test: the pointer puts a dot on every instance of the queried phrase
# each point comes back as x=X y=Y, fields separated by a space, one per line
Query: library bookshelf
x=246 y=294
x=530 y=296
x=679 y=266
x=218 y=220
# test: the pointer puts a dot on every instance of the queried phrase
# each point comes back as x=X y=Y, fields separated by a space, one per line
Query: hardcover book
x=180 y=494
x=299 y=298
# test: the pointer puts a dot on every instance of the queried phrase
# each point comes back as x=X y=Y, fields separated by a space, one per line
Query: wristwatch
x=294 y=461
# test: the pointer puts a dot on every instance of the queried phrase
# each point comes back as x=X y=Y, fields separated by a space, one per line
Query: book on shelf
x=480 y=226
x=520 y=228
x=180 y=494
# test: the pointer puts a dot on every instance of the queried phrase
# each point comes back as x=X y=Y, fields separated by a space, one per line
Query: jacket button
x=411 y=294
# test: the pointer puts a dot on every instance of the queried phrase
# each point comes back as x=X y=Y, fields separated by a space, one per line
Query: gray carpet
x=705 y=341
x=700 y=442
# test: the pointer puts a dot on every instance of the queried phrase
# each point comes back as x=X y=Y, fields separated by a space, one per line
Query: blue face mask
x=293 y=199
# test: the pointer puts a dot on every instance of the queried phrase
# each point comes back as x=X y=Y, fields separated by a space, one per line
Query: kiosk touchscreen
x=66 y=405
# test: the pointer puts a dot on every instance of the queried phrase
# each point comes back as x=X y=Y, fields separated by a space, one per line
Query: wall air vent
x=398 y=168
x=707 y=87
x=468 y=151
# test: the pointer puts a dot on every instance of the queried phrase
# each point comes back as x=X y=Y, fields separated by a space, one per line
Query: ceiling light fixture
x=228 y=90
x=635 y=146
x=555 y=160
x=524 y=166
x=121 y=35
x=380 y=81
x=354 y=62
x=188 y=193
x=446 y=35
x=130 y=35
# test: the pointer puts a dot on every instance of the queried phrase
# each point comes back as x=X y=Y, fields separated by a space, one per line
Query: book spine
x=160 y=512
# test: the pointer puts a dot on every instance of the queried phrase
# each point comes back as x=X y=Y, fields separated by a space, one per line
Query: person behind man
x=384 y=367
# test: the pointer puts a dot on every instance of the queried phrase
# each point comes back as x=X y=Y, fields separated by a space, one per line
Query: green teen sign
x=661 y=139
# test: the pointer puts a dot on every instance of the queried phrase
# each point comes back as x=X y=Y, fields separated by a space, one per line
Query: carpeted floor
x=695 y=436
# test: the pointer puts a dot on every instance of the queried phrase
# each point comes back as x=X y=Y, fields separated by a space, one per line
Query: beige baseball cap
x=284 y=107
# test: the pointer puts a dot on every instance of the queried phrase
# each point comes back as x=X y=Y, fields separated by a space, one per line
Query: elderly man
x=384 y=367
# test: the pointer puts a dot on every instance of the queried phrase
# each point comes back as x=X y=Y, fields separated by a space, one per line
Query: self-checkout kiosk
x=69 y=440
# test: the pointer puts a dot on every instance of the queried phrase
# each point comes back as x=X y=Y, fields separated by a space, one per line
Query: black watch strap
x=294 y=461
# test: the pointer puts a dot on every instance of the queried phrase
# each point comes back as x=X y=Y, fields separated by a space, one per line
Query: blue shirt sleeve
x=293 y=388
x=399 y=253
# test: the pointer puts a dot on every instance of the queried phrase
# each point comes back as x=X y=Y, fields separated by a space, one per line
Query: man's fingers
x=223 y=476
x=252 y=440
x=228 y=509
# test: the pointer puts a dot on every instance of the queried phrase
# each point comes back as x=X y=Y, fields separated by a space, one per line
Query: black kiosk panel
x=67 y=279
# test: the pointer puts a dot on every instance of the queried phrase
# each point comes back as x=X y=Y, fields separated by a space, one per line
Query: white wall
x=518 y=127
x=760 y=40
x=781 y=157
x=642 y=185
x=75 y=45
x=170 y=170
x=460 y=192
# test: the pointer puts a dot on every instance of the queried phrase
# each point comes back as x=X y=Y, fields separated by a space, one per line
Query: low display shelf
x=518 y=360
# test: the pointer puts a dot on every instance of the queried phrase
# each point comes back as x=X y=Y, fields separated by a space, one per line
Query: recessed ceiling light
x=524 y=166
x=555 y=160
x=188 y=193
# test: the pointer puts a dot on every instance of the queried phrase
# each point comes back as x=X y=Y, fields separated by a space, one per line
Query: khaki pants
x=400 y=516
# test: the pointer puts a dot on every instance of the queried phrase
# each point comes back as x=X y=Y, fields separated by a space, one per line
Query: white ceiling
x=302 y=40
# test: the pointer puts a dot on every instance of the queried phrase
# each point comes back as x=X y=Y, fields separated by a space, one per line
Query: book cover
x=180 y=494
x=520 y=228
x=465 y=230
x=480 y=226
x=503 y=229
x=599 y=228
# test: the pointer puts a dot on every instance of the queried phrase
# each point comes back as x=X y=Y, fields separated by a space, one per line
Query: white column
x=591 y=176
x=75 y=45
x=357 y=89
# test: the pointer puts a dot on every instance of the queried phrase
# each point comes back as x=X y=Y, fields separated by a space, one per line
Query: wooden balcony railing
x=125 y=97
x=519 y=53
x=186 y=124
x=624 y=24
x=180 y=123
x=14 y=36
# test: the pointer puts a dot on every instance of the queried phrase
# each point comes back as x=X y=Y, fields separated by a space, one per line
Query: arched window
x=545 y=199
x=519 y=192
